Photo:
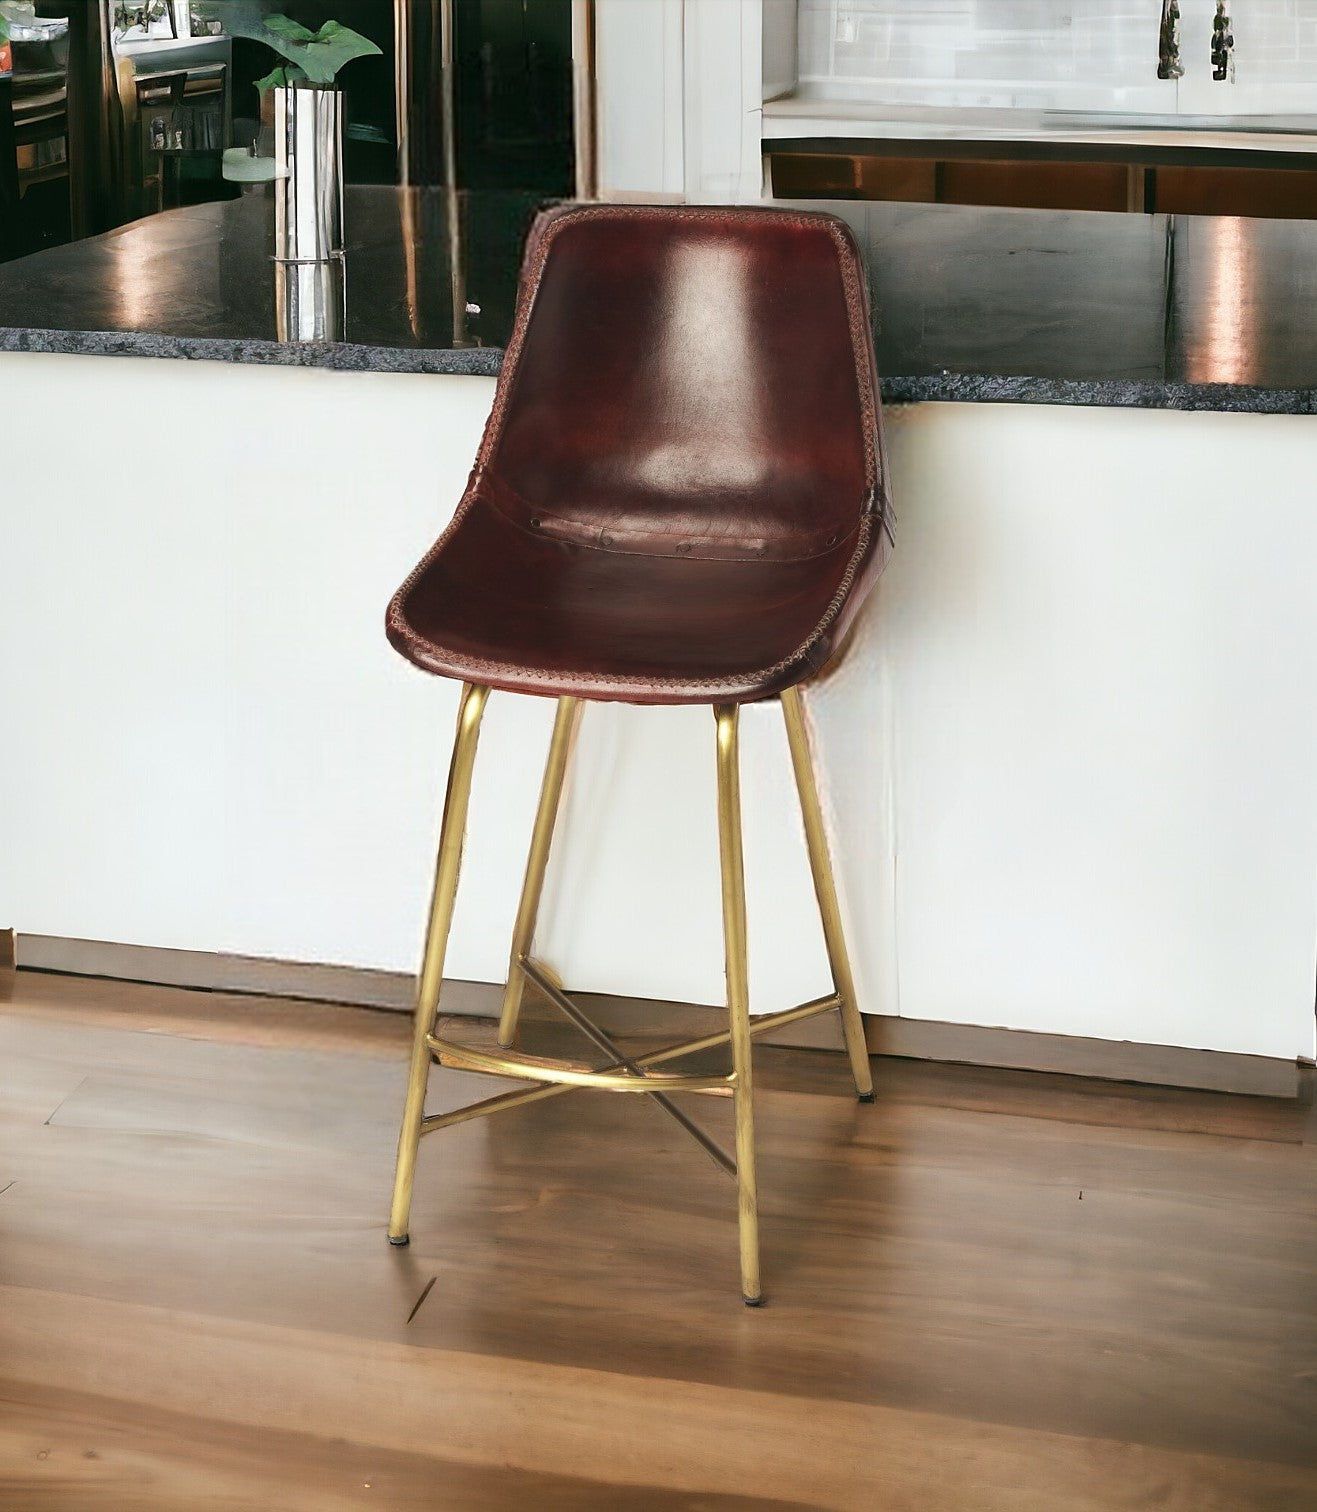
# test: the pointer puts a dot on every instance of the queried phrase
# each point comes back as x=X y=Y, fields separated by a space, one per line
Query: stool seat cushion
x=680 y=496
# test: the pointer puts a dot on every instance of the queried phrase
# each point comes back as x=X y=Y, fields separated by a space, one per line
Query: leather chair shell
x=681 y=493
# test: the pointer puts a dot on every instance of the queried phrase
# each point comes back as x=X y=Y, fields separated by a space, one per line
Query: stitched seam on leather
x=861 y=339
x=761 y=559
x=399 y=624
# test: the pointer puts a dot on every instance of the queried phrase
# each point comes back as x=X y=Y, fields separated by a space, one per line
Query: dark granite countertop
x=1052 y=307
x=200 y=282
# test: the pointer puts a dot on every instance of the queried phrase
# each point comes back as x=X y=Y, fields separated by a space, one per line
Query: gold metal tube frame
x=452 y=833
x=534 y=1068
x=623 y=1074
x=825 y=890
x=523 y=932
x=596 y=1036
x=738 y=992
x=503 y=1101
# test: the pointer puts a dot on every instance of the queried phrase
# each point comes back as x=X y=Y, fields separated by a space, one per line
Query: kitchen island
x=969 y=303
x=1070 y=755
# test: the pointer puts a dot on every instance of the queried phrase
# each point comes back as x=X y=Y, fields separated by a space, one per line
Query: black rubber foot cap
x=867 y=1096
x=753 y=1301
x=406 y=1239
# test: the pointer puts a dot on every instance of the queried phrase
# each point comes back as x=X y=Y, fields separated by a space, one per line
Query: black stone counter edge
x=344 y=356
x=1112 y=393
x=969 y=388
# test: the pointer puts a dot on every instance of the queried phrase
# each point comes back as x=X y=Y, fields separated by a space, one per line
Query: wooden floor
x=990 y=1290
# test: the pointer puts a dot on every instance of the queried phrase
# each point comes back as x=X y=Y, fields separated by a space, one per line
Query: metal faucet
x=1168 y=42
x=1223 y=46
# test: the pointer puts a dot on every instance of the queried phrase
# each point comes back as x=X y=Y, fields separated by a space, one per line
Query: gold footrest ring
x=535 y=1068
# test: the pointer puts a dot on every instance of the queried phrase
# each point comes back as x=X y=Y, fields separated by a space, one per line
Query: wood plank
x=63 y=1451
x=986 y=1286
x=627 y=1431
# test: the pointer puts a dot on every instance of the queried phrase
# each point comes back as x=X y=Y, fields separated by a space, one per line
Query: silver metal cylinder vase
x=308 y=147
x=310 y=300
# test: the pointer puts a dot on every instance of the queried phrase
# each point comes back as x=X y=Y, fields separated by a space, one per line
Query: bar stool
x=680 y=497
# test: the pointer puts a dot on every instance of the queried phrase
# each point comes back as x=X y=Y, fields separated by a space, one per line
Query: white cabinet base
x=1070 y=759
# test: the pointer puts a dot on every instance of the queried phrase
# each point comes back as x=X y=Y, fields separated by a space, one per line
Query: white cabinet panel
x=1101 y=636
x=1069 y=760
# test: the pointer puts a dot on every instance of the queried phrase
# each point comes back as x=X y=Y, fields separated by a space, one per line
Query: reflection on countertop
x=969 y=303
x=1079 y=307
x=201 y=281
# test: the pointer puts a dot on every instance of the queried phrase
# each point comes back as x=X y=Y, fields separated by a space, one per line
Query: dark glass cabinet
x=115 y=112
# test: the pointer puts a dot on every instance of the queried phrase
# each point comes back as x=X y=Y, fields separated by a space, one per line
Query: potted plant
x=308 y=128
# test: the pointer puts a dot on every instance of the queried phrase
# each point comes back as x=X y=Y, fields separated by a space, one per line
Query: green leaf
x=279 y=78
x=315 y=57
x=294 y=31
x=323 y=59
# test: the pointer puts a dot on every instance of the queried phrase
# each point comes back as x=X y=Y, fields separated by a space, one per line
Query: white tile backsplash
x=1048 y=54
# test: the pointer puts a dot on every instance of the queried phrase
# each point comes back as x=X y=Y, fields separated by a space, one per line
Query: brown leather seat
x=681 y=494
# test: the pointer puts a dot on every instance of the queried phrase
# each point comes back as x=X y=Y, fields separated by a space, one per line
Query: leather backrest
x=688 y=381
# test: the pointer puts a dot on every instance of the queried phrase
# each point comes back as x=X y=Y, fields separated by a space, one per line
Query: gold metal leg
x=738 y=992
x=555 y=769
x=451 y=836
x=825 y=890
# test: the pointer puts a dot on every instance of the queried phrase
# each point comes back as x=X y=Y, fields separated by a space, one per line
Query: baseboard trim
x=912 y=1039
x=1073 y=1055
x=212 y=971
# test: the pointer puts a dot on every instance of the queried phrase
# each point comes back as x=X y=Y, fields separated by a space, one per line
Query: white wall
x=1071 y=757
x=638 y=99
x=1067 y=54
x=1088 y=55
x=679 y=100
